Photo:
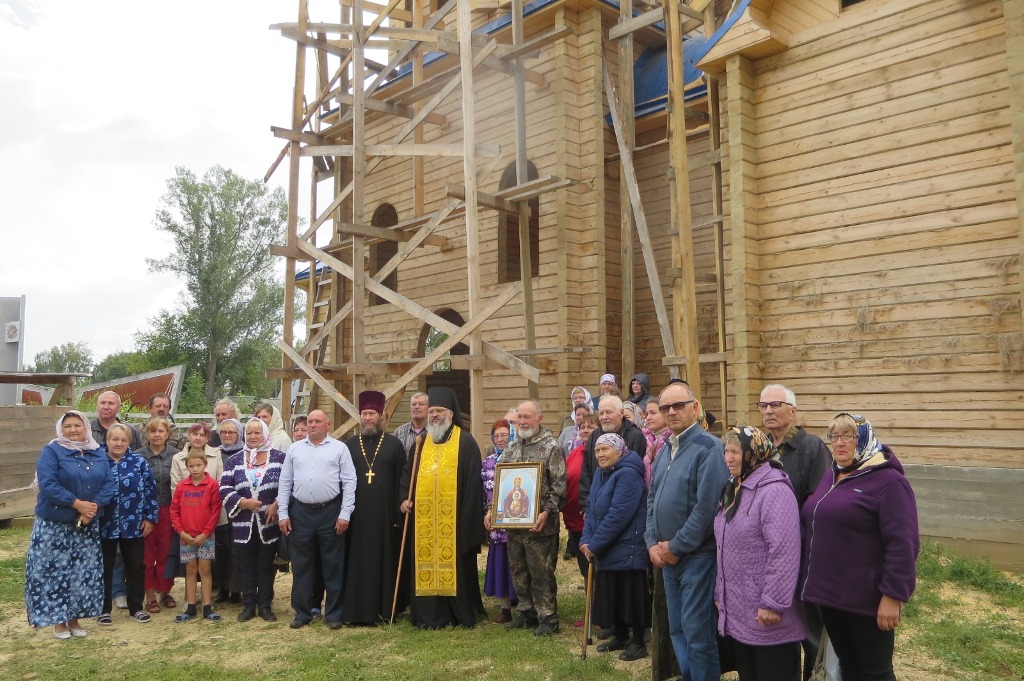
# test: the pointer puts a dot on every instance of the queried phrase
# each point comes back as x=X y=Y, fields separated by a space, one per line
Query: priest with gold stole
x=447 y=510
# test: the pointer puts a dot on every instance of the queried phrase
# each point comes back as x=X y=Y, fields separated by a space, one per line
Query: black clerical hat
x=445 y=397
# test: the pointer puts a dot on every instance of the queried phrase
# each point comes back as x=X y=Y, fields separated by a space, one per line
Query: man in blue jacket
x=686 y=484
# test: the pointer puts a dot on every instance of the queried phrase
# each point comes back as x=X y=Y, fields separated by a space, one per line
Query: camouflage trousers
x=533 y=559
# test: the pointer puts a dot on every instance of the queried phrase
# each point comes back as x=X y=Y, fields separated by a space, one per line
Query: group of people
x=732 y=552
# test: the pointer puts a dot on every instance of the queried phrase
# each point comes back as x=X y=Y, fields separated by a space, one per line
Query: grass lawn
x=965 y=622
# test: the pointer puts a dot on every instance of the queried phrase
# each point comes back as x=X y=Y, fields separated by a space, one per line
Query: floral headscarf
x=613 y=440
x=867 y=444
x=88 y=445
x=757 y=449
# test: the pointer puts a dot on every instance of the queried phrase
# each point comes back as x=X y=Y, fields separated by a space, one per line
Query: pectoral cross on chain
x=369 y=477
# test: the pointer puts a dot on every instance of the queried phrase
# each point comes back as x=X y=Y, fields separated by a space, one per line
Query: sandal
x=153 y=606
x=105 y=619
x=168 y=602
x=213 y=617
x=183 y=617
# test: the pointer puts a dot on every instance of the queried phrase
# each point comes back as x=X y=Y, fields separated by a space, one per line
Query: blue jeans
x=120 y=586
x=692 y=618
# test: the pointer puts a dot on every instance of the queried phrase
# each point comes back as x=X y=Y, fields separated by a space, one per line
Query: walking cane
x=405 y=525
x=587 y=640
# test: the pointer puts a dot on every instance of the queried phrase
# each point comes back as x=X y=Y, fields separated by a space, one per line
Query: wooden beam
x=703 y=358
x=495 y=63
x=293 y=136
x=684 y=294
x=485 y=150
x=385 y=233
x=452 y=83
x=454 y=339
x=384 y=107
x=531 y=46
x=423 y=314
x=390 y=10
x=456 y=191
x=625 y=62
x=324 y=384
x=1013 y=17
x=629 y=175
x=627 y=26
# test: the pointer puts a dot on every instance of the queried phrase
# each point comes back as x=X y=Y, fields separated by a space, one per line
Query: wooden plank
x=408 y=149
x=703 y=358
x=641 y=223
x=385 y=107
x=324 y=384
x=627 y=26
x=450 y=86
x=398 y=387
x=388 y=234
x=627 y=287
x=421 y=313
x=528 y=48
x=485 y=200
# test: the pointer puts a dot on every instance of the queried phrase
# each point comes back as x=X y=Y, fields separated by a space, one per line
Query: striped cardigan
x=235 y=486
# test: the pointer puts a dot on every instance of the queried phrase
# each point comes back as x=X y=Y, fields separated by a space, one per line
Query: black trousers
x=767 y=663
x=313 y=537
x=864 y=650
x=256 y=570
x=132 y=552
x=224 y=563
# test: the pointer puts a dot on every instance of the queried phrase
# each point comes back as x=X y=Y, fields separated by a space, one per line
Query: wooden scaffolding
x=330 y=128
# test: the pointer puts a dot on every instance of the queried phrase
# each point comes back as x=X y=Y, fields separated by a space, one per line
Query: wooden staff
x=405 y=525
x=587 y=640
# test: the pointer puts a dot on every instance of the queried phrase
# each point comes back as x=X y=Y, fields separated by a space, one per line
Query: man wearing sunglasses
x=686 y=484
x=805 y=458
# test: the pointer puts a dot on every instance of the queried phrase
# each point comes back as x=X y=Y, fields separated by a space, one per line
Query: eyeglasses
x=676 y=406
x=774 y=405
x=845 y=438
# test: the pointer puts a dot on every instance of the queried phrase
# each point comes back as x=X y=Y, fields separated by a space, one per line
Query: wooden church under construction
x=514 y=198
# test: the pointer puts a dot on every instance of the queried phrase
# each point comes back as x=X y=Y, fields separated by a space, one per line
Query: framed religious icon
x=516 y=499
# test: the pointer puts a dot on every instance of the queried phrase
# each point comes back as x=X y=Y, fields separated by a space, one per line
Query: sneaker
x=546 y=629
x=142 y=617
x=61 y=634
x=634 y=651
x=105 y=620
x=121 y=602
x=268 y=615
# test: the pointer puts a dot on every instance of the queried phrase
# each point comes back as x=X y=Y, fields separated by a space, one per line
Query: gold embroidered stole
x=435 y=512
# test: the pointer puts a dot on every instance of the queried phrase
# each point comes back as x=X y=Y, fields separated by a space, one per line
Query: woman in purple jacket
x=757 y=532
x=861 y=544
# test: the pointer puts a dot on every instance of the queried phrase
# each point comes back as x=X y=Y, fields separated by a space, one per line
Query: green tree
x=121 y=364
x=67 y=357
x=222 y=226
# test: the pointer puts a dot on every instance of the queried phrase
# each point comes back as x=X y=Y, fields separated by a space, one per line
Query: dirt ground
x=134 y=638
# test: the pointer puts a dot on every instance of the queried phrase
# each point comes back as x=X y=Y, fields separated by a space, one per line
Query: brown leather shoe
x=504 y=616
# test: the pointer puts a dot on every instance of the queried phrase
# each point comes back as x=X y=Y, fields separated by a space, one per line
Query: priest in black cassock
x=447 y=519
x=375 y=533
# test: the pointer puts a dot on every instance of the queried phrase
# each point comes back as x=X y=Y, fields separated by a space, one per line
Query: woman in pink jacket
x=757 y=532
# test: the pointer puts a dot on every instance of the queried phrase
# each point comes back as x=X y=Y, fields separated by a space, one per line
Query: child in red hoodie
x=195 y=510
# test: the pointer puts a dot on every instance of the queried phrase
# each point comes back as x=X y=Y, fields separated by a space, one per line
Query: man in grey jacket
x=686 y=484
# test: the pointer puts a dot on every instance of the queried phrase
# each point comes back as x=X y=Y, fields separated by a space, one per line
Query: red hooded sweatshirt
x=196 y=508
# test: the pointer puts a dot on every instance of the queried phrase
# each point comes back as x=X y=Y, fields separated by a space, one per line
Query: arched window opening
x=382 y=251
x=509 y=260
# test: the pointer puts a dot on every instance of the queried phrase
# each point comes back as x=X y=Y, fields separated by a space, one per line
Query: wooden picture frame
x=515 y=503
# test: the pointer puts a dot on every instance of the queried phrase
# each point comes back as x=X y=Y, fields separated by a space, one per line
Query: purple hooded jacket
x=861 y=538
x=759 y=561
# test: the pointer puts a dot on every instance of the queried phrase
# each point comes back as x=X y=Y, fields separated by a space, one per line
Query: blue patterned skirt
x=63 y=573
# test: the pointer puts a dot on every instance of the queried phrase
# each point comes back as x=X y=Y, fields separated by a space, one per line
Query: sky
x=99 y=102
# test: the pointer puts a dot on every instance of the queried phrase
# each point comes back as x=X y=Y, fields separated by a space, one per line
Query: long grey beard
x=437 y=432
x=608 y=428
x=369 y=431
x=525 y=433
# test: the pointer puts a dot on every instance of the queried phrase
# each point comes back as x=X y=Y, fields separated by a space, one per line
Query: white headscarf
x=250 y=452
x=88 y=445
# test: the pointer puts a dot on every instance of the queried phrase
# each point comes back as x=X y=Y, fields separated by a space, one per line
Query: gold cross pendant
x=369 y=477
